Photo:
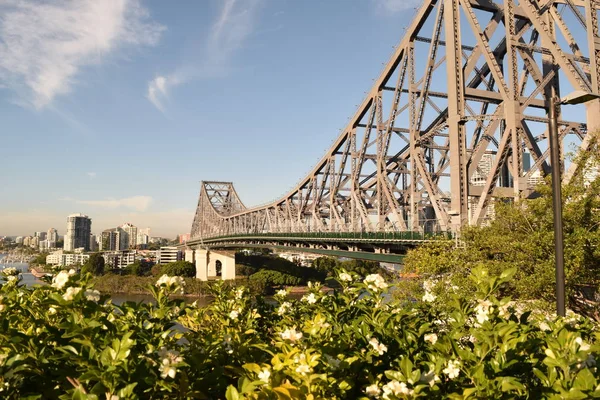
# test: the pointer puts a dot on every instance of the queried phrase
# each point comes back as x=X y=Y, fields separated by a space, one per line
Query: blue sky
x=118 y=108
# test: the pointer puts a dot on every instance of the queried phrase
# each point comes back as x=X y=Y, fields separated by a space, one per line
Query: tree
x=94 y=265
x=179 y=268
x=138 y=268
x=521 y=236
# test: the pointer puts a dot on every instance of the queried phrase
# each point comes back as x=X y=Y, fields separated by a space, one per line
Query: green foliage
x=268 y=277
x=40 y=259
x=179 y=268
x=138 y=268
x=522 y=236
x=94 y=265
x=65 y=341
x=275 y=269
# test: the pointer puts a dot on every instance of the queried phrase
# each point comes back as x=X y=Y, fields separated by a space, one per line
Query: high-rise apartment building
x=131 y=232
x=52 y=235
x=79 y=229
x=40 y=235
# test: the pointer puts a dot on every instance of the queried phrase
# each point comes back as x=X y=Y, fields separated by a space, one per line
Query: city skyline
x=166 y=79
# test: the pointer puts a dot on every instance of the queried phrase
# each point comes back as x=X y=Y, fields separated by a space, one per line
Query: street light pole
x=557 y=206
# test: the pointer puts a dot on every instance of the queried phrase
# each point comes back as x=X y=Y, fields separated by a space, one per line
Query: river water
x=30 y=280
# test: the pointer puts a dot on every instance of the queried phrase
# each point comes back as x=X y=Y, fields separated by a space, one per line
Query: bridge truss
x=456 y=120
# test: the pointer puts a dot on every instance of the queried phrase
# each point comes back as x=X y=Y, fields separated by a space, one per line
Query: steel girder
x=468 y=84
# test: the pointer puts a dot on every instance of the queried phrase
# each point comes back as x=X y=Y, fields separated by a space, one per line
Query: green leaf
x=232 y=393
x=585 y=380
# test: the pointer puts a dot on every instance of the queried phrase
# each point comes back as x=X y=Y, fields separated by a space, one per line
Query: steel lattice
x=450 y=125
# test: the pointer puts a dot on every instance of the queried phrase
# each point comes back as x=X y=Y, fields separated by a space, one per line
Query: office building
x=168 y=255
x=79 y=229
x=19 y=240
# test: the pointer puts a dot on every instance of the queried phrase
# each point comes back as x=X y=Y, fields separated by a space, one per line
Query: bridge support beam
x=189 y=256
x=201 y=257
x=211 y=264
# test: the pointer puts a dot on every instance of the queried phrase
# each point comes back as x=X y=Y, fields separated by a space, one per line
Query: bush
x=267 y=277
x=179 y=268
x=138 y=268
x=66 y=341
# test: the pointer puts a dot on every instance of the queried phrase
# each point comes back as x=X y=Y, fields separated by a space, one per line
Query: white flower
x=345 y=277
x=379 y=348
x=396 y=388
x=72 y=271
x=92 y=295
x=375 y=282
x=544 y=326
x=234 y=314
x=226 y=339
x=303 y=369
x=168 y=359
x=264 y=375
x=372 y=390
x=60 y=280
x=311 y=299
x=482 y=317
x=239 y=293
x=431 y=338
x=428 y=297
x=583 y=346
x=284 y=307
x=291 y=335
x=453 y=369
x=171 y=282
x=281 y=293
x=333 y=362
x=430 y=378
x=71 y=293
x=428 y=286
x=10 y=271
x=484 y=306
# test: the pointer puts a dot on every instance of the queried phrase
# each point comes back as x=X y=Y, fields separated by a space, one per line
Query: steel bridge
x=456 y=121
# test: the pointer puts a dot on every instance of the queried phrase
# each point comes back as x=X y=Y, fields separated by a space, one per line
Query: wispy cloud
x=394 y=6
x=44 y=45
x=234 y=23
x=92 y=175
x=137 y=203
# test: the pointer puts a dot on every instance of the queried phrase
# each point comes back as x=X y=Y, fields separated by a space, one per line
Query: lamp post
x=576 y=97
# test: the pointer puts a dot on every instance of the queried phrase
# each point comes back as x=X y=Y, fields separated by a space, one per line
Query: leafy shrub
x=66 y=341
x=275 y=278
x=179 y=268
x=138 y=268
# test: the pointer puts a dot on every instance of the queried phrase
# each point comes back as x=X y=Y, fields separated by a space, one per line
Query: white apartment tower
x=132 y=232
x=52 y=235
x=79 y=229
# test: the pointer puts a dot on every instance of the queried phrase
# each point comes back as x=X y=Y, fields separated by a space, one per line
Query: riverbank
x=139 y=285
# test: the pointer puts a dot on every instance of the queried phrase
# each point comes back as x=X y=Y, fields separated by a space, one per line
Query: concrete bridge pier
x=212 y=264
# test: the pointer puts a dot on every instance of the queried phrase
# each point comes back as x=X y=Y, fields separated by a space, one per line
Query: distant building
x=19 y=240
x=93 y=243
x=484 y=167
x=131 y=232
x=34 y=242
x=40 y=235
x=66 y=260
x=168 y=255
x=43 y=245
x=184 y=237
x=79 y=229
x=52 y=235
x=110 y=240
x=119 y=259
